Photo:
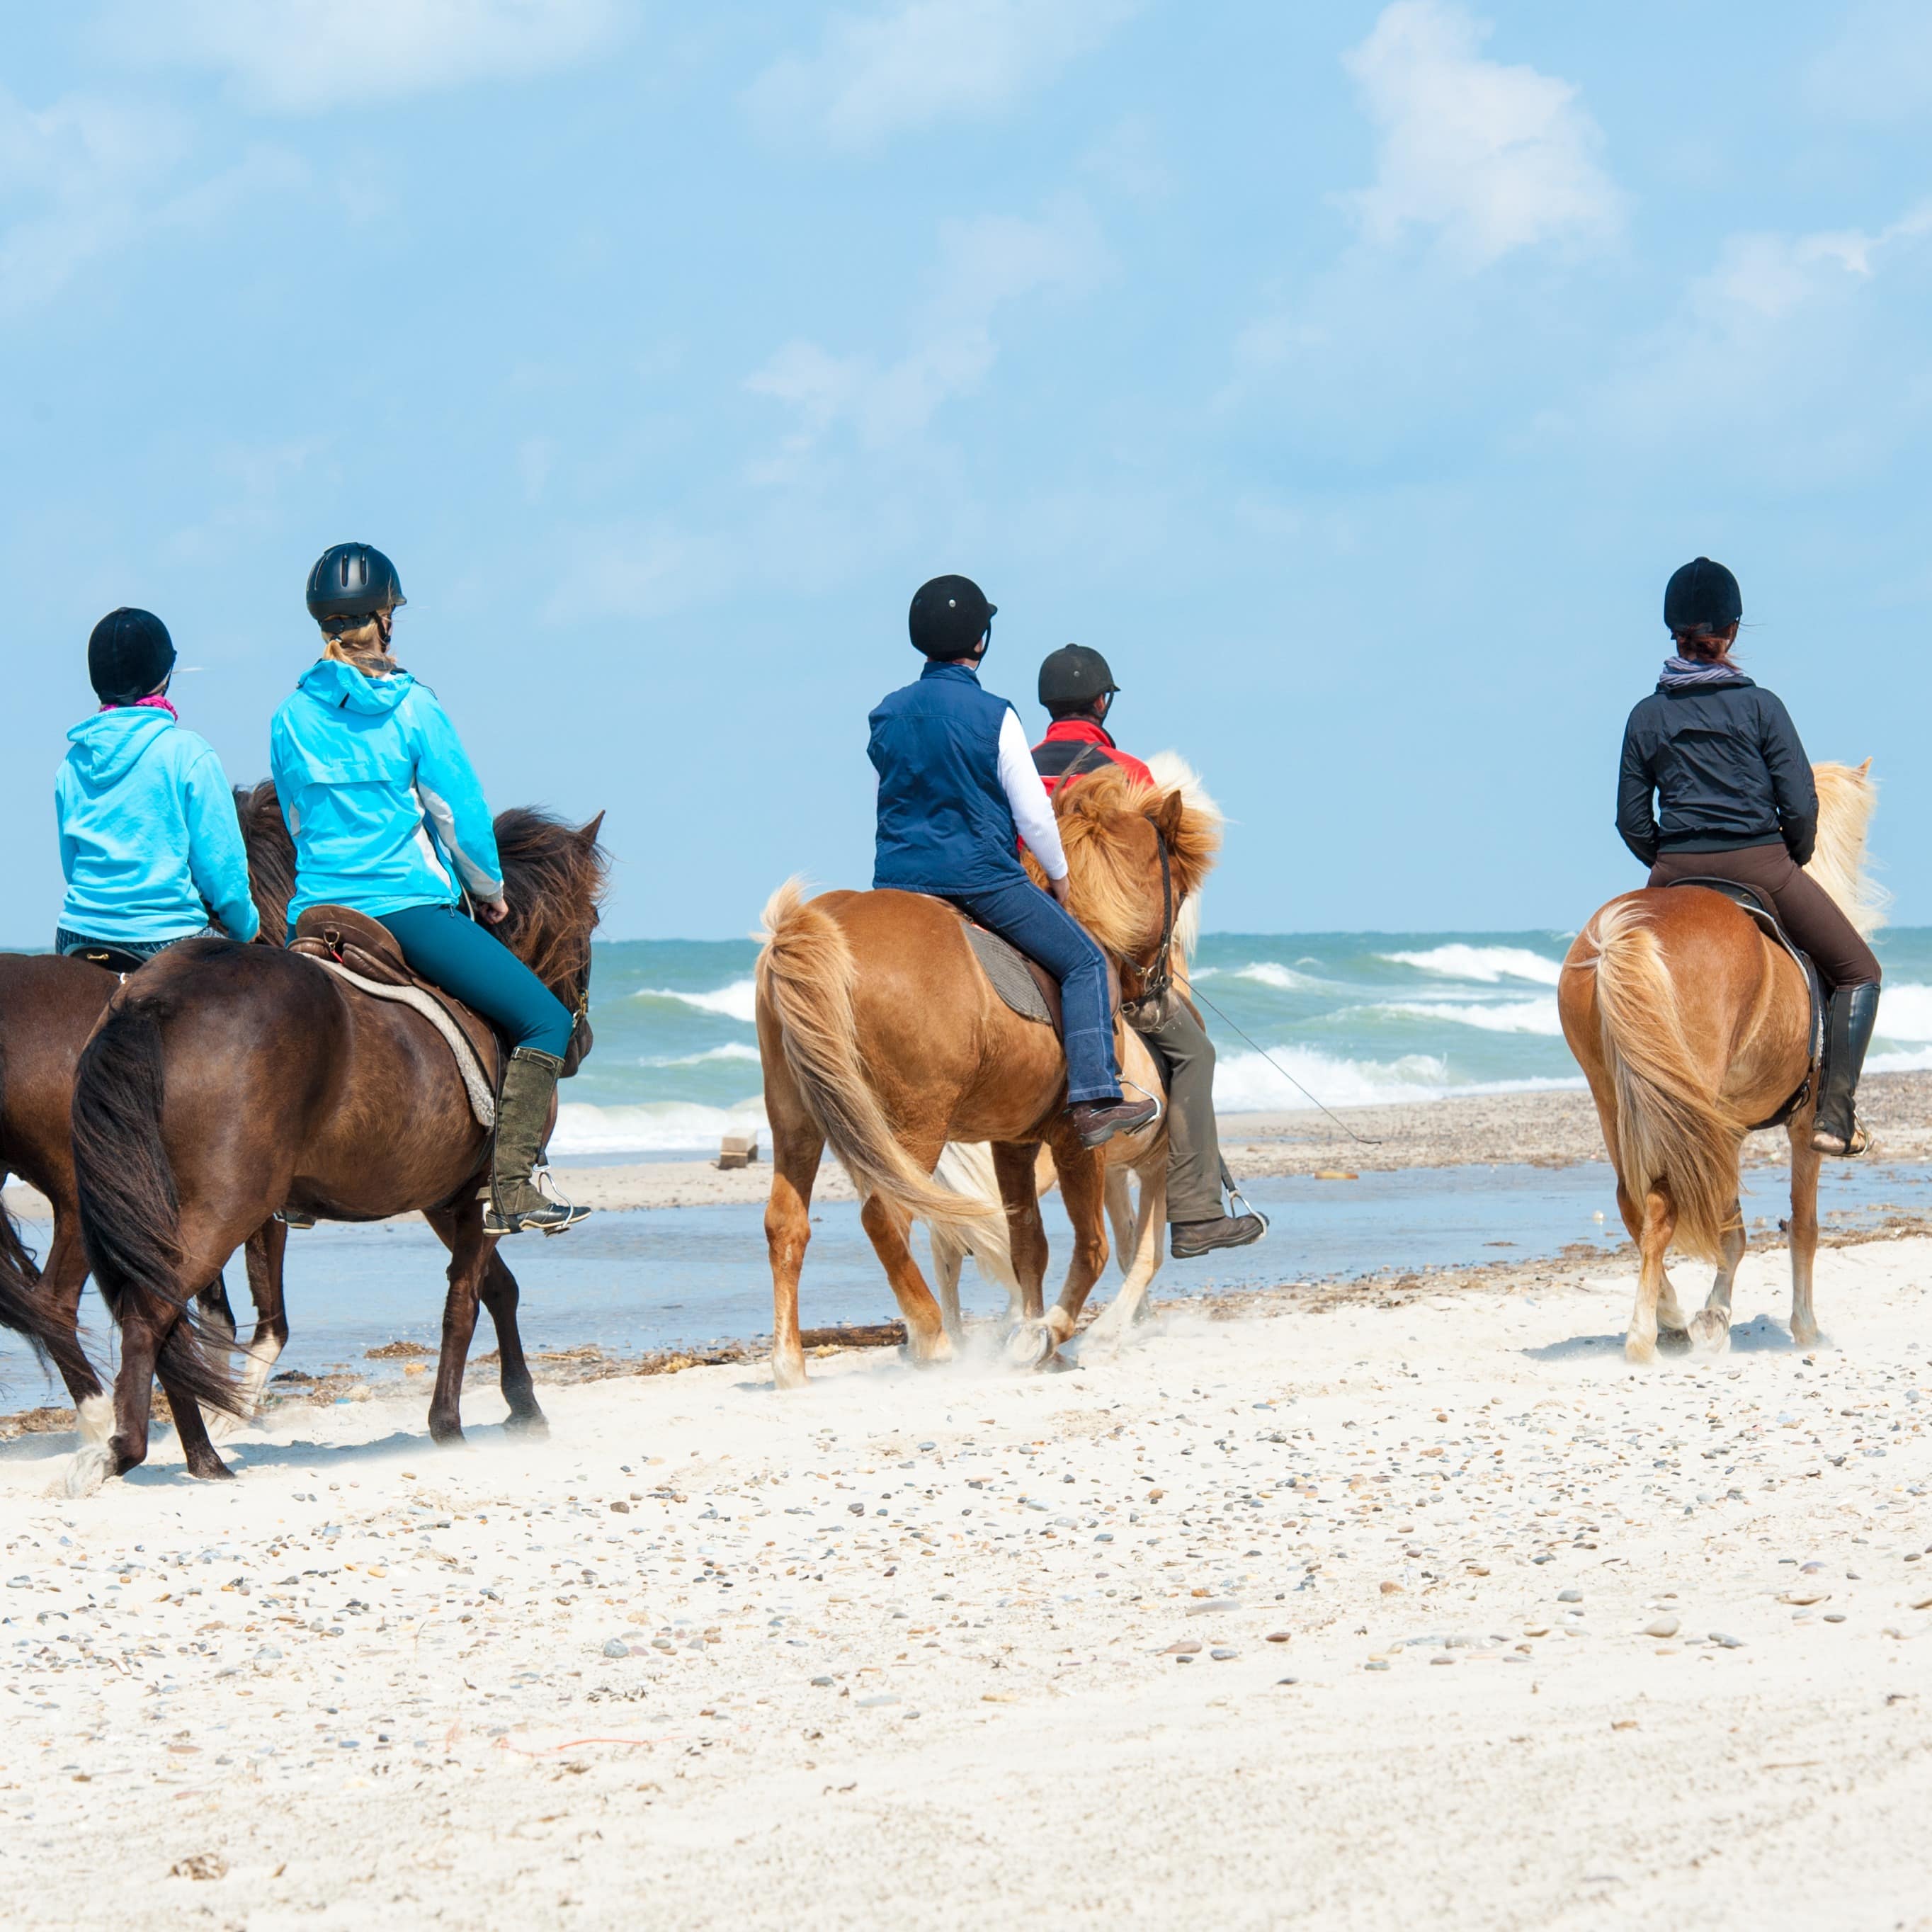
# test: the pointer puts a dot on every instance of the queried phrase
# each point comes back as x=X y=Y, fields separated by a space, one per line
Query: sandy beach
x=1405 y=1603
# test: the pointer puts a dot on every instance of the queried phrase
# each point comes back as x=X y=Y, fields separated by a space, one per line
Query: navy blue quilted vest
x=944 y=824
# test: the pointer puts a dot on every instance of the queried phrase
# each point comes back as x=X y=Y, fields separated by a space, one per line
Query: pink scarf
x=156 y=703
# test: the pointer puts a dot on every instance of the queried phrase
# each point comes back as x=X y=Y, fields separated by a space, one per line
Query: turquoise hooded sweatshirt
x=149 y=842
x=382 y=802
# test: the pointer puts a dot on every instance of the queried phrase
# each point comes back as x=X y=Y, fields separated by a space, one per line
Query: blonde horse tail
x=1671 y=1127
x=806 y=975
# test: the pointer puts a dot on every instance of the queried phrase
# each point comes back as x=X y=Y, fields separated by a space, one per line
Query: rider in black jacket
x=1735 y=800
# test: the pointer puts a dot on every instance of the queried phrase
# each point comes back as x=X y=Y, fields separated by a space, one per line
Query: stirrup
x=555 y=1216
x=1824 y=1142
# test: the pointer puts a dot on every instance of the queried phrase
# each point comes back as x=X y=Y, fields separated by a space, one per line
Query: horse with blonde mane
x=881 y=1035
x=1693 y=1026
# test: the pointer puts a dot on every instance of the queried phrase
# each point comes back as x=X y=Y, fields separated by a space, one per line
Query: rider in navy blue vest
x=957 y=791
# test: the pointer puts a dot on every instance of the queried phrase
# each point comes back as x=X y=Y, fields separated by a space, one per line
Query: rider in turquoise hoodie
x=388 y=820
x=150 y=844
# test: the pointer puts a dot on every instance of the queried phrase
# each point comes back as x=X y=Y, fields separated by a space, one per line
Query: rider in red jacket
x=1077 y=689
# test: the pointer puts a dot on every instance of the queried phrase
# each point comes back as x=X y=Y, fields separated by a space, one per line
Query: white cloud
x=1491 y=158
x=73 y=179
x=1879 y=68
x=1794 y=361
x=984 y=265
x=301 y=56
x=922 y=62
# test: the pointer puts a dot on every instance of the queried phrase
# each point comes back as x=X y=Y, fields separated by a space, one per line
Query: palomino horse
x=1691 y=1026
x=226 y=1082
x=879 y=1033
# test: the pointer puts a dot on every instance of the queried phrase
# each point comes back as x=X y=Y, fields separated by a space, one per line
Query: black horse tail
x=130 y=1213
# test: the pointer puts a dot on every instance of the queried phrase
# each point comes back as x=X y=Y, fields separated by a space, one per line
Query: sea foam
x=1486 y=964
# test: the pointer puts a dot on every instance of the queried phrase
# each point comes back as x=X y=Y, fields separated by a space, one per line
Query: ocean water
x=1357 y=1018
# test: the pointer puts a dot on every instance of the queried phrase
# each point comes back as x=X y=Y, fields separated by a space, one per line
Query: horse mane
x=554 y=878
x=554 y=875
x=271 y=856
x=1107 y=872
x=1847 y=797
x=1174 y=773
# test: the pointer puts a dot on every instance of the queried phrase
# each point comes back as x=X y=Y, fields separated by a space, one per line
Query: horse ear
x=586 y=835
x=1864 y=770
x=1169 y=813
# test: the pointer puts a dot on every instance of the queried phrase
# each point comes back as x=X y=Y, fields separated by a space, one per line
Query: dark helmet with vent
x=949 y=615
x=353 y=579
x=1075 y=677
x=1701 y=596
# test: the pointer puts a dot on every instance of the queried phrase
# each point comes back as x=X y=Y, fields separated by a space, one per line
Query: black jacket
x=1727 y=769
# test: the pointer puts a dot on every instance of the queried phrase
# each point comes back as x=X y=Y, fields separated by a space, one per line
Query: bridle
x=1158 y=982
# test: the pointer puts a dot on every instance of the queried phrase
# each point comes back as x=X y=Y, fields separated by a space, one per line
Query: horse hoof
x=1803 y=1338
x=1029 y=1345
x=210 y=1469
x=1637 y=1350
x=1673 y=1341
x=788 y=1373
x=532 y=1422
x=1710 y=1334
x=220 y=1425
x=446 y=1434
x=938 y=1350
x=91 y=1466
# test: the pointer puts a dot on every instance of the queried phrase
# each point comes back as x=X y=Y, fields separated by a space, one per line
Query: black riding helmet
x=1701 y=596
x=128 y=655
x=1075 y=678
x=949 y=615
x=353 y=579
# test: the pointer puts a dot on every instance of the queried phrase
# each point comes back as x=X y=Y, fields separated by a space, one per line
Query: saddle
x=1748 y=902
x=364 y=954
x=1025 y=986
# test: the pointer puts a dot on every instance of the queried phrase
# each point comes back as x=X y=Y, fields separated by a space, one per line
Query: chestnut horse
x=226 y=1082
x=1692 y=1026
x=879 y=1033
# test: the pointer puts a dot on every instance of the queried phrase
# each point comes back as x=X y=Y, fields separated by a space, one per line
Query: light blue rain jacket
x=149 y=841
x=384 y=808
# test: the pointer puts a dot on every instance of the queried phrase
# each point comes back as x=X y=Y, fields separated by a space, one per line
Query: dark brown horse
x=49 y=1007
x=881 y=1034
x=227 y=1081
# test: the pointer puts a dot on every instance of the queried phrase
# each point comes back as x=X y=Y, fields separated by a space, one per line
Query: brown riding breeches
x=1804 y=909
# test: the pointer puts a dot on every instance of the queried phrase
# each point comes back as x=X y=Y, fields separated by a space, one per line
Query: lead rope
x=1361 y=1140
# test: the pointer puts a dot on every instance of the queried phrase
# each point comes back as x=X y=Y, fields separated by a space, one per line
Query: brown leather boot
x=1098 y=1121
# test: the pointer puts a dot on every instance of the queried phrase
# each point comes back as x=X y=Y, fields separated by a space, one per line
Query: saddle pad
x=1011 y=973
x=1748 y=902
x=364 y=954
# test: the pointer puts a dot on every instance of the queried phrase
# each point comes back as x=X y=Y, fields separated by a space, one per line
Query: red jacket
x=1067 y=738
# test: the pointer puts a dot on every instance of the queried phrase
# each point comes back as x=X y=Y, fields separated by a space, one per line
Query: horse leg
x=1120 y=1214
x=1143 y=1251
x=1711 y=1327
x=61 y=1281
x=949 y=1254
x=190 y=1424
x=1016 y=1166
x=796 y=1147
x=1671 y=1327
x=1660 y=1223
x=500 y=1296
x=468 y=1256
x=264 y=1256
x=1083 y=1190
x=926 y=1339
x=1805 y=1162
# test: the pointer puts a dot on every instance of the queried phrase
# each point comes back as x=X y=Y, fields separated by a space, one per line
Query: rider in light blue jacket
x=388 y=820
x=150 y=844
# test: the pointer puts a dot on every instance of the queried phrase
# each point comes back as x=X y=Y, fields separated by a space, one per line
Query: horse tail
x=806 y=976
x=130 y=1213
x=1671 y=1127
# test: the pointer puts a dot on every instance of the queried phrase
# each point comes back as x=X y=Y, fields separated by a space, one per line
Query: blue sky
x=1352 y=375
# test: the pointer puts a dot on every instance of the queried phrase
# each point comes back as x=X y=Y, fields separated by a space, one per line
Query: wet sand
x=1408 y=1603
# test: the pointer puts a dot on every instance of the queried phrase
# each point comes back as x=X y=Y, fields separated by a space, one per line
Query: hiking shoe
x=552 y=1217
x=1227 y=1230
x=295 y=1217
x=1098 y=1121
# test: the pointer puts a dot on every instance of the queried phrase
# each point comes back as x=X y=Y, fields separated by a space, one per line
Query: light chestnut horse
x=1139 y=1216
x=1692 y=1026
x=880 y=1034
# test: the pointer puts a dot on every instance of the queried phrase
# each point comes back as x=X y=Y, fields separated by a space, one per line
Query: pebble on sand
x=1662 y=1627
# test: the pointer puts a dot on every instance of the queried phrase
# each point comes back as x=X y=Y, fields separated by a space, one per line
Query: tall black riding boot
x=1849 y=1021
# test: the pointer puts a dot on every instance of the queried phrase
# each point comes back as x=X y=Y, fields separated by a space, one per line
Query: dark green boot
x=522 y=1115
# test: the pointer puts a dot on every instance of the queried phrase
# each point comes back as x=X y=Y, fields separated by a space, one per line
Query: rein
x=1156 y=984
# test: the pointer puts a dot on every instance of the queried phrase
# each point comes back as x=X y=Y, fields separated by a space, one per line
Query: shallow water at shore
x=630 y=1282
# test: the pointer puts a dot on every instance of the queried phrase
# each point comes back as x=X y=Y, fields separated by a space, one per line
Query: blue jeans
x=68 y=942
x=468 y=962
x=1032 y=920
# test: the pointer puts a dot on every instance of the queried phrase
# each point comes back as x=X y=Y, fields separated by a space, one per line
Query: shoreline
x=1545 y=1127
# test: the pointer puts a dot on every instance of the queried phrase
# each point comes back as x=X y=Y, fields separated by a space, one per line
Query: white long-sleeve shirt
x=1027 y=795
